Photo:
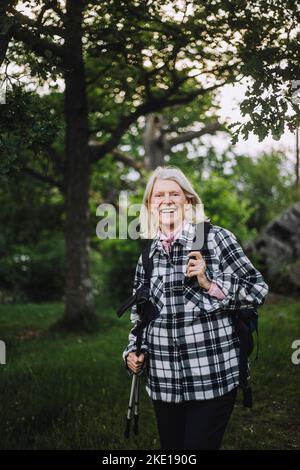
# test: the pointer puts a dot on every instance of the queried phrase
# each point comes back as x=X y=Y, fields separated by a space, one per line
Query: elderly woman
x=191 y=350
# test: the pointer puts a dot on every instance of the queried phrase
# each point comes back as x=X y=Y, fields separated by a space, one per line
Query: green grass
x=71 y=391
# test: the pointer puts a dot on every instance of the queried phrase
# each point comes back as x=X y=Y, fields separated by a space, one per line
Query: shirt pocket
x=192 y=295
x=157 y=290
x=196 y=298
x=211 y=259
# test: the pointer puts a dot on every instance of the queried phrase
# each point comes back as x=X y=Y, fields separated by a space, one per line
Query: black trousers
x=194 y=424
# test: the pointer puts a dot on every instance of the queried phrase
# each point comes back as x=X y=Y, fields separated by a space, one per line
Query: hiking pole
x=146 y=311
x=134 y=392
x=137 y=384
x=136 y=406
x=129 y=411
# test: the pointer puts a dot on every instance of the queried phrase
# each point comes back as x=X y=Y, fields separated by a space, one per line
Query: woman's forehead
x=166 y=185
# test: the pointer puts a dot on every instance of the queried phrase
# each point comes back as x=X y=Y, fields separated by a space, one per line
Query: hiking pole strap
x=127 y=304
x=243 y=353
x=243 y=362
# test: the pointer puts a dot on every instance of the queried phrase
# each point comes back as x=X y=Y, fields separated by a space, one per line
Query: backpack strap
x=140 y=296
x=201 y=233
x=200 y=237
x=147 y=261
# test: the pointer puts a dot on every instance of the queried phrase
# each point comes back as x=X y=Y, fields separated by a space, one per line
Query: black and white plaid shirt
x=191 y=350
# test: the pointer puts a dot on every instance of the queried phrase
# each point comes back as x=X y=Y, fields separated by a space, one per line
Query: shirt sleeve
x=138 y=280
x=215 y=291
x=242 y=284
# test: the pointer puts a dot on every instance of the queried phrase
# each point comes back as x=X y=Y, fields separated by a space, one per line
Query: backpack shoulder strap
x=147 y=261
x=147 y=265
x=201 y=233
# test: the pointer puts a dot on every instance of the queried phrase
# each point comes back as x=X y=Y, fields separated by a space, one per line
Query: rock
x=278 y=251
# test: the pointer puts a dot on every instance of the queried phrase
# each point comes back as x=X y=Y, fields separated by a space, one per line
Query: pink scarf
x=168 y=239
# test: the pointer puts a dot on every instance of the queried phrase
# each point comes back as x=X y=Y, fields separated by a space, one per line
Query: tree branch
x=4 y=41
x=96 y=147
x=98 y=75
x=43 y=178
x=24 y=20
x=50 y=5
x=37 y=44
x=59 y=164
x=5 y=34
x=146 y=108
x=188 y=136
x=128 y=161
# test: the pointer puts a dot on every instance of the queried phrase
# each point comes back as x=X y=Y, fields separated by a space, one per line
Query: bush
x=34 y=273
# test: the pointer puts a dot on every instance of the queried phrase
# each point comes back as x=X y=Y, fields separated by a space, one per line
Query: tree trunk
x=154 y=142
x=79 y=305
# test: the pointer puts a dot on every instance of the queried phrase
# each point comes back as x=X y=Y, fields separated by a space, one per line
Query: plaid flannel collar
x=185 y=239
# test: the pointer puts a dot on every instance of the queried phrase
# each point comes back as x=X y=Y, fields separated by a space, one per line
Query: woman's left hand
x=197 y=267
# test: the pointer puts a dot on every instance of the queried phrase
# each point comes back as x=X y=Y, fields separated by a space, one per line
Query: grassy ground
x=71 y=392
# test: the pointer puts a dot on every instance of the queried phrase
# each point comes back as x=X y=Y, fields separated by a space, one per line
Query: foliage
x=27 y=128
x=146 y=56
x=267 y=183
x=31 y=244
x=71 y=392
x=34 y=273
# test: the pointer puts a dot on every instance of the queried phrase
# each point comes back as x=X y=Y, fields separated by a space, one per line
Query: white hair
x=194 y=211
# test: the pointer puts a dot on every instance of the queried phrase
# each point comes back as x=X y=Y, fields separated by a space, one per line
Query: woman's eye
x=160 y=196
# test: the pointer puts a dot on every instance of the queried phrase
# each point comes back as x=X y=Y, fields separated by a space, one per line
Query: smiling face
x=167 y=203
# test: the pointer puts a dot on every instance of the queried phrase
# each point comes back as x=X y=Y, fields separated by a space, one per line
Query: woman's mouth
x=168 y=211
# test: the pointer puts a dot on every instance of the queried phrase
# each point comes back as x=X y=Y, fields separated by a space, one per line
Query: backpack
x=245 y=320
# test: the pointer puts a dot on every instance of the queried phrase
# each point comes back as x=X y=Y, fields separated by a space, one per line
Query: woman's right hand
x=135 y=362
